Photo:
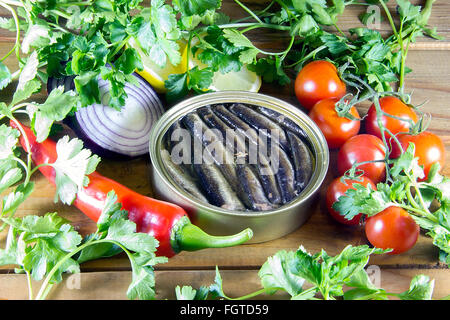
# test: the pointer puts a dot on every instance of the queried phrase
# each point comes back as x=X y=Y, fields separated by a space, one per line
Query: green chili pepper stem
x=188 y=237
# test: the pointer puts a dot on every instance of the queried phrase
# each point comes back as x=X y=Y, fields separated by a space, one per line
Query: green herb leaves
x=45 y=247
x=116 y=231
x=72 y=167
x=275 y=273
x=192 y=7
x=93 y=37
x=326 y=275
x=158 y=33
x=38 y=244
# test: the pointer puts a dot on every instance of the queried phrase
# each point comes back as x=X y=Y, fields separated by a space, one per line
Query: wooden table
x=109 y=278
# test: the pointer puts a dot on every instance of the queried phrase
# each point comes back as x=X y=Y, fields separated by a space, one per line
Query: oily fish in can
x=238 y=157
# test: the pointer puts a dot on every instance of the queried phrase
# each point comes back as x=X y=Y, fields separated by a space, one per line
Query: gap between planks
x=255 y=268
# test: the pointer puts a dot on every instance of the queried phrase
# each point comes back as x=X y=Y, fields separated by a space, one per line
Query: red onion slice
x=125 y=132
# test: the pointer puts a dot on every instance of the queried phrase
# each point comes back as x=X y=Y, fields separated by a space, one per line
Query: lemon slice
x=154 y=74
x=243 y=80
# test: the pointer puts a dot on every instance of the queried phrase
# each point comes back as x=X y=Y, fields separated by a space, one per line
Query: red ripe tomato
x=392 y=228
x=337 y=189
x=362 y=148
x=394 y=107
x=429 y=148
x=336 y=129
x=318 y=80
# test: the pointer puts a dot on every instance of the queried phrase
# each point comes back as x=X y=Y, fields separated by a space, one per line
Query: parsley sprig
x=73 y=163
x=45 y=247
x=326 y=276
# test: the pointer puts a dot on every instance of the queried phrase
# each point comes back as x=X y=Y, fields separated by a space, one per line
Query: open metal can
x=266 y=225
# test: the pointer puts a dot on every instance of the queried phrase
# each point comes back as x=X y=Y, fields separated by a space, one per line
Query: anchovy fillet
x=214 y=151
x=283 y=121
x=181 y=177
x=237 y=124
x=285 y=176
x=303 y=161
x=217 y=189
x=261 y=123
x=232 y=139
x=253 y=189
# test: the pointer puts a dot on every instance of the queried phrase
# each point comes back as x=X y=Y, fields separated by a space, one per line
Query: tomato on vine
x=401 y=119
x=428 y=147
x=368 y=150
x=393 y=228
x=318 y=80
x=335 y=128
x=336 y=189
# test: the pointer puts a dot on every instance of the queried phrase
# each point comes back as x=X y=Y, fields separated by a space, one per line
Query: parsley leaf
x=8 y=140
x=9 y=174
x=271 y=70
x=189 y=293
x=421 y=288
x=276 y=273
x=178 y=85
x=72 y=167
x=56 y=107
x=41 y=242
x=326 y=275
x=192 y=7
x=5 y=75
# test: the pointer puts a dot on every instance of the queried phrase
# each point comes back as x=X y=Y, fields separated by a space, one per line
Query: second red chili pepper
x=167 y=222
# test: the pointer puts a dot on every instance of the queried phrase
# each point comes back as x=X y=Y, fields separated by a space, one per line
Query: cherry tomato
x=362 y=148
x=336 y=129
x=392 y=228
x=394 y=107
x=318 y=80
x=429 y=148
x=337 y=189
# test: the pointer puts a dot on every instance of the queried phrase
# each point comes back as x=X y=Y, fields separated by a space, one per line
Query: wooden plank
x=236 y=283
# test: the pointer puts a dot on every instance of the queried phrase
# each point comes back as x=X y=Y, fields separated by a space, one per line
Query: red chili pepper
x=167 y=222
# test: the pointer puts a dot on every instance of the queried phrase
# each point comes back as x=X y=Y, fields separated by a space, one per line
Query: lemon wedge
x=154 y=74
x=243 y=80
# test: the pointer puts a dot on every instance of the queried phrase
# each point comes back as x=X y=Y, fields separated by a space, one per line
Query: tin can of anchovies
x=266 y=225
